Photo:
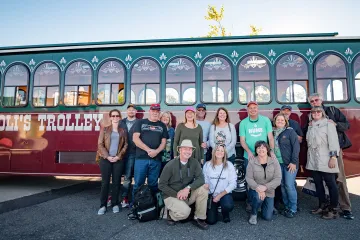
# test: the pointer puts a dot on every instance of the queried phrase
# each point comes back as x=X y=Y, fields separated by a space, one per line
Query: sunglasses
x=315 y=100
x=115 y=116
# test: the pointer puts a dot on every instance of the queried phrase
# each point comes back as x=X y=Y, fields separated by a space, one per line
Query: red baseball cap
x=155 y=106
x=252 y=102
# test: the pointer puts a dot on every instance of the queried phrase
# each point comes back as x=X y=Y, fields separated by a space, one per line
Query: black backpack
x=146 y=206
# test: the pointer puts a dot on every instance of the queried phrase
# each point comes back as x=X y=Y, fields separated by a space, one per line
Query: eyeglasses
x=115 y=116
x=315 y=100
x=317 y=111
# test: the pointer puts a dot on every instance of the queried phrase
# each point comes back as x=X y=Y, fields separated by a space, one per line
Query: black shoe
x=348 y=215
x=200 y=224
x=226 y=220
x=169 y=221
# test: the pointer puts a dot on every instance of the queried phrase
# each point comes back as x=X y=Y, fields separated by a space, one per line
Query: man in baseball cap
x=205 y=125
x=286 y=110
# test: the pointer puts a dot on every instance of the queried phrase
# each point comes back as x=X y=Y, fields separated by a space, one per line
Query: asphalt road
x=74 y=216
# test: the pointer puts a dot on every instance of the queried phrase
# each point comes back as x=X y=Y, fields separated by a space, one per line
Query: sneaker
x=102 y=211
x=125 y=203
x=116 y=209
x=200 y=224
x=253 y=219
x=109 y=201
x=347 y=215
x=289 y=214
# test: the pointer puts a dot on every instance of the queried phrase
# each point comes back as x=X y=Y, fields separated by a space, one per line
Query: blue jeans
x=267 y=205
x=288 y=188
x=128 y=173
x=149 y=168
x=227 y=205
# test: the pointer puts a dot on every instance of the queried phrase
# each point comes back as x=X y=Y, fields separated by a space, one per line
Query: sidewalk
x=22 y=191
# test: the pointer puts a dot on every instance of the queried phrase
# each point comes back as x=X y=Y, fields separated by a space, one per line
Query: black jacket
x=131 y=145
x=289 y=146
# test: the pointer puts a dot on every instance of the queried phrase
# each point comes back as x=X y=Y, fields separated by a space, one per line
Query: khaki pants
x=344 y=199
x=180 y=210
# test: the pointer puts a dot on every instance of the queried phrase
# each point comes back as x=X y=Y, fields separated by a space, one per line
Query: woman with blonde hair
x=112 y=146
x=189 y=129
x=220 y=179
x=168 y=154
x=223 y=132
x=323 y=150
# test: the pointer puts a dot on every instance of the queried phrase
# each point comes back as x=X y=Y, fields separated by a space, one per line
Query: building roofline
x=179 y=41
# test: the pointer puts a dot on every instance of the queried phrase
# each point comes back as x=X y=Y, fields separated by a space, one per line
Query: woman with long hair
x=223 y=132
x=220 y=179
x=323 y=150
x=189 y=129
x=165 y=117
x=263 y=176
x=112 y=145
x=287 y=149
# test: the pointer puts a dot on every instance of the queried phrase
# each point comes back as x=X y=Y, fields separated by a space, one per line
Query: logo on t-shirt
x=147 y=127
x=220 y=138
x=255 y=131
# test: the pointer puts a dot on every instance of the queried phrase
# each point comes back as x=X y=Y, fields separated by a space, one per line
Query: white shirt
x=227 y=180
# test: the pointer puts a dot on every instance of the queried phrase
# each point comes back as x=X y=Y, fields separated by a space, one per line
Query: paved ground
x=73 y=216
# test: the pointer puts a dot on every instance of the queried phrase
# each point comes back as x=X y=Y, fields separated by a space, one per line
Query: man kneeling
x=182 y=182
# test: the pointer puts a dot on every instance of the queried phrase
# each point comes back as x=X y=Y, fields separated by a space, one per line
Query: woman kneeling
x=220 y=180
x=263 y=176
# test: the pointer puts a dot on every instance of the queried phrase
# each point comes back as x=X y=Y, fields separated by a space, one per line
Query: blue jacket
x=289 y=146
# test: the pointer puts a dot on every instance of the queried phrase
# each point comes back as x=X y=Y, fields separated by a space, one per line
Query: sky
x=36 y=22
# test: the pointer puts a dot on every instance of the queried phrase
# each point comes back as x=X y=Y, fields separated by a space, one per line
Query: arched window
x=254 y=78
x=15 y=86
x=145 y=82
x=331 y=78
x=46 y=85
x=180 y=75
x=216 y=80
x=357 y=77
x=189 y=96
x=77 y=90
x=110 y=89
x=292 y=79
x=172 y=96
x=242 y=94
x=150 y=94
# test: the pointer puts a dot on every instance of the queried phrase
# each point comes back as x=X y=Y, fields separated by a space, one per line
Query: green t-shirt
x=254 y=131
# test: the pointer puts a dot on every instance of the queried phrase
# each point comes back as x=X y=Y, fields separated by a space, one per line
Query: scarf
x=277 y=132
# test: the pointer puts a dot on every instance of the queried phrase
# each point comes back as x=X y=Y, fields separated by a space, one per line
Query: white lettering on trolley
x=51 y=122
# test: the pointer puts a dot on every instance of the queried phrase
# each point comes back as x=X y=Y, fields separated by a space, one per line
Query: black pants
x=330 y=180
x=227 y=205
x=109 y=169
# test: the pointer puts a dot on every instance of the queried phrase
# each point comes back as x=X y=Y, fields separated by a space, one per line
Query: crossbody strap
x=218 y=179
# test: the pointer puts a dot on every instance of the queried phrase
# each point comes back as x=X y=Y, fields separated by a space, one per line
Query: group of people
x=194 y=164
